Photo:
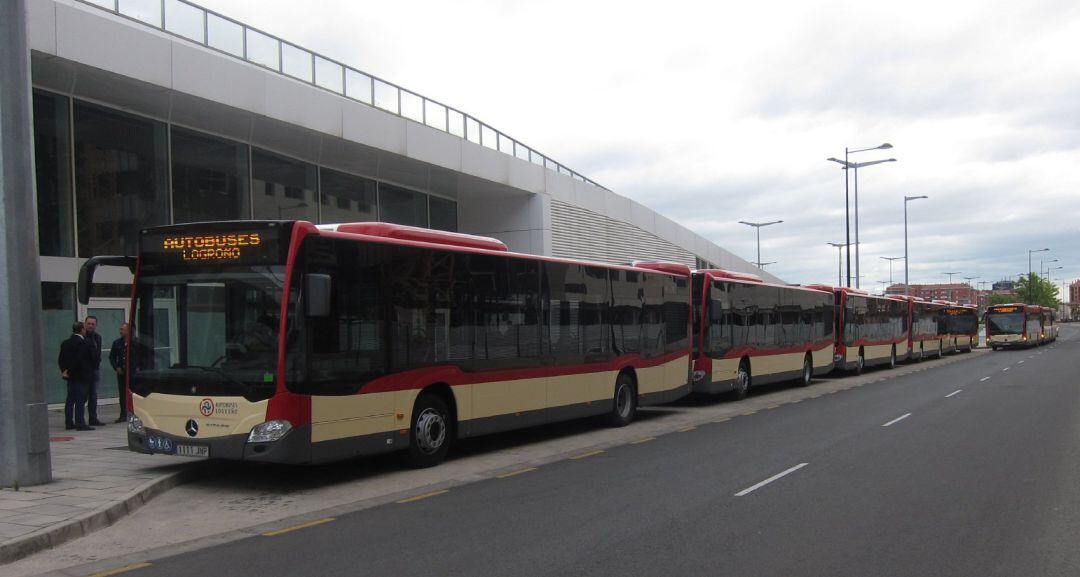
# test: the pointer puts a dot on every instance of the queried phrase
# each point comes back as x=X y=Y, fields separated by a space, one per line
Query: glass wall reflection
x=402 y=206
x=210 y=178
x=283 y=188
x=346 y=198
x=52 y=153
x=120 y=179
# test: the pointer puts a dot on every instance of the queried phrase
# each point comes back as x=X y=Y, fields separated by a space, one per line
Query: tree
x=1000 y=299
x=1036 y=291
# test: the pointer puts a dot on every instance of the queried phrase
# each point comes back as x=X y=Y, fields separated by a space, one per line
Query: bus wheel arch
x=625 y=399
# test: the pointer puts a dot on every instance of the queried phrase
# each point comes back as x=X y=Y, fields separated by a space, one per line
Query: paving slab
x=95 y=482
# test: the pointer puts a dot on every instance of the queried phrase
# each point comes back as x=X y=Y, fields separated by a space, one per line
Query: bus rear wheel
x=940 y=349
x=741 y=388
x=860 y=362
x=892 y=358
x=807 y=371
x=429 y=441
x=625 y=402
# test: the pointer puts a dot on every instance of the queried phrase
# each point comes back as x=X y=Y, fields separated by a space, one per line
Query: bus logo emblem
x=206 y=407
x=192 y=428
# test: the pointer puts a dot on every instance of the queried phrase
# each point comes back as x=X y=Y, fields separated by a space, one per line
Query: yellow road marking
x=723 y=420
x=796 y=401
x=120 y=570
x=515 y=473
x=589 y=454
x=687 y=429
x=640 y=441
x=749 y=413
x=298 y=527
x=424 y=496
x=772 y=407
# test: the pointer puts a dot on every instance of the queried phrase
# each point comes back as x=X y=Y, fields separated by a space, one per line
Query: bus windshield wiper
x=222 y=373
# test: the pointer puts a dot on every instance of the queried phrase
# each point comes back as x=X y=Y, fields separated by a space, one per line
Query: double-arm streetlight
x=891 y=259
x=907 y=285
x=846 y=164
x=950 y=289
x=1048 y=269
x=757 y=227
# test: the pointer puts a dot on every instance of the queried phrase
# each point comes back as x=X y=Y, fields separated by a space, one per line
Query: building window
x=402 y=206
x=120 y=179
x=284 y=188
x=210 y=178
x=346 y=198
x=443 y=214
x=52 y=157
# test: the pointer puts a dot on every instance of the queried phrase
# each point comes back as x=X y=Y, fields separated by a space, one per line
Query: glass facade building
x=104 y=174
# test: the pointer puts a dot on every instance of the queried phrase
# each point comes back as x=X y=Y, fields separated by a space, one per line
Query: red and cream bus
x=926 y=338
x=286 y=342
x=1013 y=325
x=747 y=332
x=960 y=327
x=870 y=330
x=1049 y=326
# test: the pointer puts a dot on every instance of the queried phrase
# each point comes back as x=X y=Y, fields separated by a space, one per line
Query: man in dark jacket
x=118 y=360
x=94 y=339
x=75 y=366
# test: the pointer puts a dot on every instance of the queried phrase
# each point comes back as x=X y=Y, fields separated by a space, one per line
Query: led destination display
x=185 y=246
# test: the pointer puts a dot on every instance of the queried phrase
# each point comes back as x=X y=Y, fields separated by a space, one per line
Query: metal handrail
x=194 y=23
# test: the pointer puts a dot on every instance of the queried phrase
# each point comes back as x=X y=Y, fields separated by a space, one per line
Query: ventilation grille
x=580 y=233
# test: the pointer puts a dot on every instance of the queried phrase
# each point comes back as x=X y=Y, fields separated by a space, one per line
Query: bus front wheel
x=807 y=371
x=625 y=403
x=429 y=440
x=892 y=358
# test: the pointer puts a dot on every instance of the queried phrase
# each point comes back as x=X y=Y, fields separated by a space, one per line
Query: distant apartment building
x=962 y=293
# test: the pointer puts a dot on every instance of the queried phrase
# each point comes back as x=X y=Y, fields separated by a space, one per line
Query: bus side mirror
x=86 y=272
x=317 y=295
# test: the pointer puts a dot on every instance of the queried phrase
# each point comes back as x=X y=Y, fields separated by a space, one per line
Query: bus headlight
x=135 y=425
x=269 y=431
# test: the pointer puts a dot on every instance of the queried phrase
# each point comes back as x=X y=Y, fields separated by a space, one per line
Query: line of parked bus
x=1019 y=325
x=282 y=341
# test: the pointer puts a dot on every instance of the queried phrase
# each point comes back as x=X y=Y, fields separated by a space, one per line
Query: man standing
x=93 y=339
x=75 y=367
x=118 y=360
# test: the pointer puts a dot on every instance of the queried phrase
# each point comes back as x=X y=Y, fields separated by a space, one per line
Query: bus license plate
x=196 y=451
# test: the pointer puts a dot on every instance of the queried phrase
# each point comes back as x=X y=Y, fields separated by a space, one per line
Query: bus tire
x=429 y=438
x=892 y=358
x=807 y=371
x=743 y=378
x=624 y=404
x=940 y=349
x=860 y=362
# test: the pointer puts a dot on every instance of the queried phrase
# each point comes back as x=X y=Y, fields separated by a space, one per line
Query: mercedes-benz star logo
x=192 y=428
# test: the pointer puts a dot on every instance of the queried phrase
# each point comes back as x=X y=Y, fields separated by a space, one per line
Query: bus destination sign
x=212 y=247
x=190 y=247
x=999 y=309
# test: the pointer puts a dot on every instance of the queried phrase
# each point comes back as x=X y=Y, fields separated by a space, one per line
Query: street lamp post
x=950 y=283
x=762 y=265
x=1042 y=262
x=890 y=259
x=1030 y=252
x=846 y=164
x=757 y=227
x=907 y=285
x=839 y=262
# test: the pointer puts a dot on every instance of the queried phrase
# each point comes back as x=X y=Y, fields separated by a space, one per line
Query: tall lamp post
x=907 y=285
x=891 y=259
x=846 y=164
x=1042 y=262
x=950 y=282
x=839 y=262
x=968 y=280
x=1034 y=250
x=757 y=227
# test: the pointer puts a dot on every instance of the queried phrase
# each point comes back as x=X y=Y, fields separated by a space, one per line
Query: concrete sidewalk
x=96 y=480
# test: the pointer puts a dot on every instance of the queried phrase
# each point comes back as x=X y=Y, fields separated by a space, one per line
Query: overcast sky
x=715 y=112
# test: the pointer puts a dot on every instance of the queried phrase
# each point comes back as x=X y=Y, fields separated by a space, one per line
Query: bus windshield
x=1005 y=323
x=208 y=333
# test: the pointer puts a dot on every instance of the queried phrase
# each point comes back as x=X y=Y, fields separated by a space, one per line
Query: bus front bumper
x=294 y=447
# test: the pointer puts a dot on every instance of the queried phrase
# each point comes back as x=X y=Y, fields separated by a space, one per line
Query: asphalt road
x=970 y=468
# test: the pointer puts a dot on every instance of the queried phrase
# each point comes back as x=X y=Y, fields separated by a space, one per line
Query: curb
x=49 y=537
